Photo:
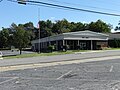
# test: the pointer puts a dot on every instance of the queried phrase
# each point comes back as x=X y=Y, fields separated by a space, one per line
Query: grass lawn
x=113 y=48
x=44 y=54
x=52 y=53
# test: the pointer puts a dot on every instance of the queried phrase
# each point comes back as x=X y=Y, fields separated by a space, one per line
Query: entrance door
x=83 y=45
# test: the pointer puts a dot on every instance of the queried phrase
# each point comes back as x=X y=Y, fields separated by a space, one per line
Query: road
x=44 y=59
x=95 y=75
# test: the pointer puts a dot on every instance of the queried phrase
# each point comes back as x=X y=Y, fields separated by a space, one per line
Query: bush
x=50 y=48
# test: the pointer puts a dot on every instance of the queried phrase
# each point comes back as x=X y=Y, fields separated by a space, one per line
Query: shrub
x=50 y=48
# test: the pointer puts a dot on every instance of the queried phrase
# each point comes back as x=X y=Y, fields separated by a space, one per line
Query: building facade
x=84 y=40
x=114 y=40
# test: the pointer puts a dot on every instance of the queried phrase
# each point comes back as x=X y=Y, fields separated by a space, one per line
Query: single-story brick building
x=86 y=40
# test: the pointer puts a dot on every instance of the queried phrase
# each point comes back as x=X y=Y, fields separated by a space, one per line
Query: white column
x=91 y=45
x=63 y=42
x=78 y=42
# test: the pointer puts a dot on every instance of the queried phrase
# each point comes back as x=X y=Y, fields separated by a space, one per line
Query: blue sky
x=12 y=12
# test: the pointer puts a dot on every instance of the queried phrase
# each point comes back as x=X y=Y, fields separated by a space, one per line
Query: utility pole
x=39 y=46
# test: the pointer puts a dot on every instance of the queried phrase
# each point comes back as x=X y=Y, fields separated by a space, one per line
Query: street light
x=22 y=1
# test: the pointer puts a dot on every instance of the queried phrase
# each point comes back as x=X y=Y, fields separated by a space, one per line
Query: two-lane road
x=58 y=58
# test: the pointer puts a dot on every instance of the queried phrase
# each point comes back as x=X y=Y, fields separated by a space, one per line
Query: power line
x=1 y=0
x=71 y=8
x=48 y=6
x=67 y=9
x=109 y=2
x=39 y=5
x=98 y=1
x=82 y=5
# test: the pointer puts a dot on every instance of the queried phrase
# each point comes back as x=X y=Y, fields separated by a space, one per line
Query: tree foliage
x=99 y=26
x=4 y=38
x=16 y=36
x=117 y=27
x=21 y=37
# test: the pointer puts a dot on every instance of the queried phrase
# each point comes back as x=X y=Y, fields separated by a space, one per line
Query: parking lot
x=13 y=52
x=100 y=75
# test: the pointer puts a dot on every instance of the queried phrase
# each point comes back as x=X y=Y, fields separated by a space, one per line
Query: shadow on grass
x=8 y=55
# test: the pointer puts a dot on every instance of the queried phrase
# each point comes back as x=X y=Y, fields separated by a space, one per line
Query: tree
x=99 y=26
x=4 y=35
x=21 y=37
x=117 y=27
x=77 y=27
x=30 y=28
x=48 y=28
x=61 y=26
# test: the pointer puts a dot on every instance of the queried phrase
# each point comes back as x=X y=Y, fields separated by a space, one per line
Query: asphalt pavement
x=97 y=75
x=56 y=58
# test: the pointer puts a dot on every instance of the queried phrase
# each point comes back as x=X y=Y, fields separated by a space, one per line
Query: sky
x=12 y=12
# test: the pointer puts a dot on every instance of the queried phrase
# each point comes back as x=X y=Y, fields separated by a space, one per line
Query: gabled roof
x=86 y=33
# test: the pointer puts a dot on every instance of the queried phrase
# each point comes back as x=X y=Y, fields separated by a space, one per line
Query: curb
x=88 y=52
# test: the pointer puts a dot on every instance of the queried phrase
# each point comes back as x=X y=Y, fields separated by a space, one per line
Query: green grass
x=44 y=54
x=112 y=49
x=36 y=54
x=51 y=54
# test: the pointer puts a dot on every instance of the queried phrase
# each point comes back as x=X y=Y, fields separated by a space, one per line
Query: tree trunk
x=20 y=51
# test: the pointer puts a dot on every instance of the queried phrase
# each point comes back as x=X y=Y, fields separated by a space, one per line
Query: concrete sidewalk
x=46 y=59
